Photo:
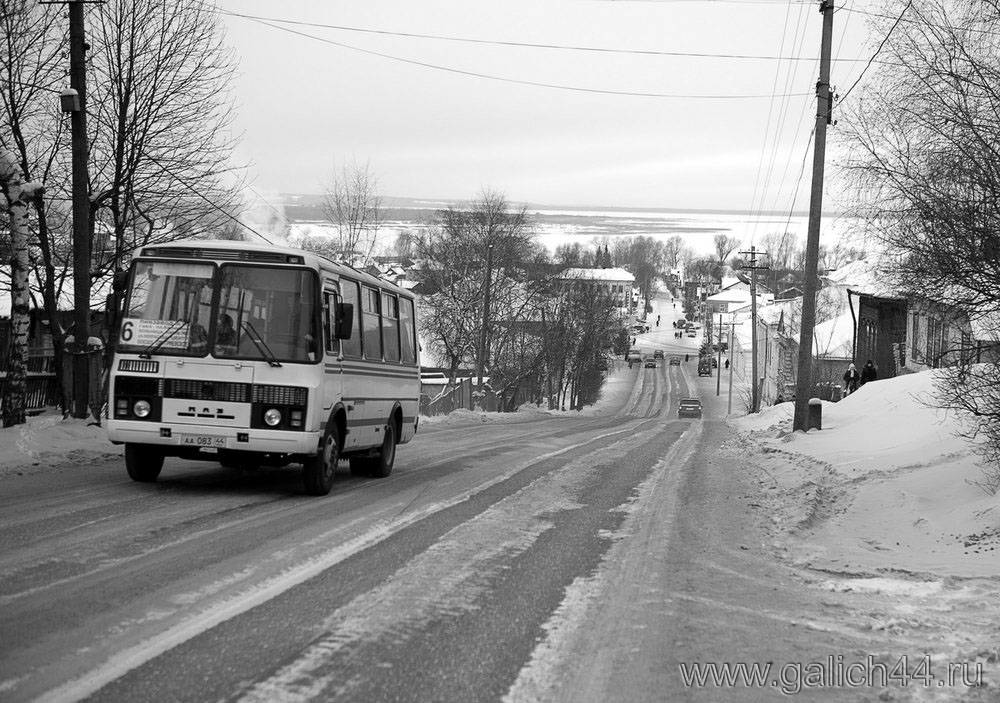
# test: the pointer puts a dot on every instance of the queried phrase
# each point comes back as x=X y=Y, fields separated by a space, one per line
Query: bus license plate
x=204 y=441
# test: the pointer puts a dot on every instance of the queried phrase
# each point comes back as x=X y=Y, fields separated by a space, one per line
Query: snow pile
x=886 y=485
x=49 y=440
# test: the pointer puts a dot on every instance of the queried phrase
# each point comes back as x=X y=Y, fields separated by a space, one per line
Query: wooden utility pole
x=755 y=380
x=483 y=336
x=824 y=110
x=81 y=211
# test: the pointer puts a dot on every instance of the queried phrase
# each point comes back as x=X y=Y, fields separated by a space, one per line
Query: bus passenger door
x=333 y=378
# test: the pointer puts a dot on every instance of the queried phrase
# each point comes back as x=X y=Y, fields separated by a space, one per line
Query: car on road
x=633 y=355
x=675 y=361
x=689 y=407
x=650 y=363
x=692 y=333
x=704 y=367
x=658 y=354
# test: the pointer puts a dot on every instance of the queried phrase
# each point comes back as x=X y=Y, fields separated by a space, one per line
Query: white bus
x=255 y=355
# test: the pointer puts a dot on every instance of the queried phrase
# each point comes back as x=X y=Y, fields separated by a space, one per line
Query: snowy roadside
x=881 y=508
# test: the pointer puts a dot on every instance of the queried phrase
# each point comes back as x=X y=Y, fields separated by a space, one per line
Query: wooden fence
x=461 y=395
x=42 y=388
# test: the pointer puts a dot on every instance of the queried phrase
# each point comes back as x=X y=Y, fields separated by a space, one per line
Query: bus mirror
x=119 y=281
x=345 y=320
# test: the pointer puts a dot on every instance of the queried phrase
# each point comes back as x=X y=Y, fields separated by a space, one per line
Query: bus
x=251 y=354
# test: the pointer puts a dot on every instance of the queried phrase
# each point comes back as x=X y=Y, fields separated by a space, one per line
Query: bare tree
x=160 y=116
x=159 y=122
x=31 y=72
x=673 y=249
x=353 y=204
x=724 y=246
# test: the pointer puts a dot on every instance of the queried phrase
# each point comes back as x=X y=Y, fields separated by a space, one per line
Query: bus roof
x=228 y=250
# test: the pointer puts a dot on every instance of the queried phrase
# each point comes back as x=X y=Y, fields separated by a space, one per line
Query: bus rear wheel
x=143 y=463
x=385 y=457
x=318 y=471
x=379 y=463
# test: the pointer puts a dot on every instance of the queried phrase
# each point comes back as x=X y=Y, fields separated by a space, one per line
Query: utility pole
x=718 y=369
x=81 y=210
x=824 y=110
x=755 y=380
x=483 y=338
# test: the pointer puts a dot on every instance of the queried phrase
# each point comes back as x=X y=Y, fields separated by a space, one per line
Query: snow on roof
x=834 y=339
x=868 y=276
x=735 y=295
x=610 y=274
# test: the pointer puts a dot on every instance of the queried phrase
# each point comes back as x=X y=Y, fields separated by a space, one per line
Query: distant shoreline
x=395 y=202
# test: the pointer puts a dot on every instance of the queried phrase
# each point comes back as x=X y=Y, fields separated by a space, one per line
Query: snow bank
x=49 y=440
x=885 y=485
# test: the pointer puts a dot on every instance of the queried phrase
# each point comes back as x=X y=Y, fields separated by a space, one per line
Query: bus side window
x=390 y=326
x=408 y=336
x=371 y=322
x=352 y=346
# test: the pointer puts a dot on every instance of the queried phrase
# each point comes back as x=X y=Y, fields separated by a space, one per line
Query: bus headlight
x=141 y=408
x=272 y=417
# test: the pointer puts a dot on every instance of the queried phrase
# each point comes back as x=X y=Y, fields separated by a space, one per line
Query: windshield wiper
x=165 y=337
x=261 y=345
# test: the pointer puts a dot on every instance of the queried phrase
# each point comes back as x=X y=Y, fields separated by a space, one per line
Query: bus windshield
x=234 y=312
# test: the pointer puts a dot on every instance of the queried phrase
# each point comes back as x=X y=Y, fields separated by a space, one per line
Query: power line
x=524 y=82
x=531 y=45
x=207 y=200
x=877 y=51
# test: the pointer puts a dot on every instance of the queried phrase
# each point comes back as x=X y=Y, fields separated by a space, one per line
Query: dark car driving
x=689 y=407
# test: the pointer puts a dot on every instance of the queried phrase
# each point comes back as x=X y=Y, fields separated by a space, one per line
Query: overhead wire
x=529 y=45
x=201 y=195
x=503 y=79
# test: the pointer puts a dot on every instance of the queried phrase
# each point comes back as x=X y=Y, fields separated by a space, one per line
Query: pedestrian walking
x=685 y=357
x=868 y=373
x=851 y=379
x=727 y=363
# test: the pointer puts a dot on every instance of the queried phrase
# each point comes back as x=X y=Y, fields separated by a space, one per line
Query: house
x=903 y=332
x=617 y=283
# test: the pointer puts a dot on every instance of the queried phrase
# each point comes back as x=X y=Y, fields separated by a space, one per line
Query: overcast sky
x=442 y=99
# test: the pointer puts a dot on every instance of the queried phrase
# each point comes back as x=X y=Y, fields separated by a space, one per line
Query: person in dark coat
x=869 y=372
x=851 y=379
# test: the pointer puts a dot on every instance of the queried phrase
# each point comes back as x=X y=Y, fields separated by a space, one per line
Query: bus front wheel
x=143 y=463
x=318 y=471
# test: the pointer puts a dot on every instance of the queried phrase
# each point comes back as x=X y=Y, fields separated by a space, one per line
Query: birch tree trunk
x=17 y=196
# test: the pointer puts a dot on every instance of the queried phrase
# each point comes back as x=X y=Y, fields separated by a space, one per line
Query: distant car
x=675 y=361
x=689 y=407
x=715 y=363
x=692 y=333
x=658 y=354
x=704 y=367
x=650 y=363
x=633 y=355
